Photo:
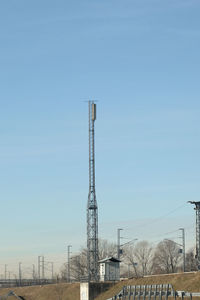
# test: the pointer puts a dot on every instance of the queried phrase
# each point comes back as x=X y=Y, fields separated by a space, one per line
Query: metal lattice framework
x=155 y=291
x=197 y=208
x=92 y=209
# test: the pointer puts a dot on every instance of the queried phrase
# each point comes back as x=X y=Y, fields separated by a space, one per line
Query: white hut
x=109 y=269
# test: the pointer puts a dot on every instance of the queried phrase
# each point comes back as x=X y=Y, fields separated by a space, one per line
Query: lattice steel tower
x=197 y=208
x=92 y=210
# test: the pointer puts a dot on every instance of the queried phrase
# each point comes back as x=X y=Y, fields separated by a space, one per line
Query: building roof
x=107 y=259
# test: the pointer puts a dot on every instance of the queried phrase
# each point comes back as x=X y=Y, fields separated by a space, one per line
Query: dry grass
x=61 y=291
x=189 y=282
x=64 y=291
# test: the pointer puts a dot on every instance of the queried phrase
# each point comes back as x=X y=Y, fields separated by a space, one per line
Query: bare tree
x=106 y=249
x=139 y=257
x=190 y=261
x=78 y=263
x=78 y=266
x=166 y=257
x=143 y=254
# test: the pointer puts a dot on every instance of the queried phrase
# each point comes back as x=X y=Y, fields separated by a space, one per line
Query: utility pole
x=5 y=271
x=33 y=273
x=92 y=209
x=20 y=274
x=68 y=263
x=183 y=243
x=52 y=269
x=118 y=242
x=40 y=267
x=197 y=208
x=9 y=277
x=119 y=250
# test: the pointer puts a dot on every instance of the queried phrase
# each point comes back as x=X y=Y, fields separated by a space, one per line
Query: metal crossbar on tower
x=92 y=210
x=197 y=208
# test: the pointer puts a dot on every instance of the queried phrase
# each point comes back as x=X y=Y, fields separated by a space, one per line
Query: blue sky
x=141 y=60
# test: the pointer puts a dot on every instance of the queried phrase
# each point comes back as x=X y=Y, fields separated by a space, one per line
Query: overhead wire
x=157 y=219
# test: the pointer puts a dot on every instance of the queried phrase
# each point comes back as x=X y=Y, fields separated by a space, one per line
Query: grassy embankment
x=189 y=282
x=64 y=291
x=61 y=291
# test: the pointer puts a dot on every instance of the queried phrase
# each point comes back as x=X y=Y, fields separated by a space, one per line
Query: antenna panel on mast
x=93 y=111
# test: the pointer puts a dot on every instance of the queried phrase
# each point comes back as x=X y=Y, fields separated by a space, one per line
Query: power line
x=157 y=219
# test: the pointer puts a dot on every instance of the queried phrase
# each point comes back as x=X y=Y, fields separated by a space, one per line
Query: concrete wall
x=89 y=291
x=84 y=291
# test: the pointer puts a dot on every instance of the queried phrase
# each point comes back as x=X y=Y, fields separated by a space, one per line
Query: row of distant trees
x=138 y=259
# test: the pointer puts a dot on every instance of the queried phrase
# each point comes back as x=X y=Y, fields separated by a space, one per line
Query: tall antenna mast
x=92 y=210
x=197 y=208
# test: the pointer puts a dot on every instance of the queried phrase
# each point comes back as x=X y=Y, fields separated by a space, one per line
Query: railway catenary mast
x=197 y=208
x=92 y=210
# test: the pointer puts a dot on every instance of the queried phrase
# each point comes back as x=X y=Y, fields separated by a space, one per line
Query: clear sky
x=140 y=59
